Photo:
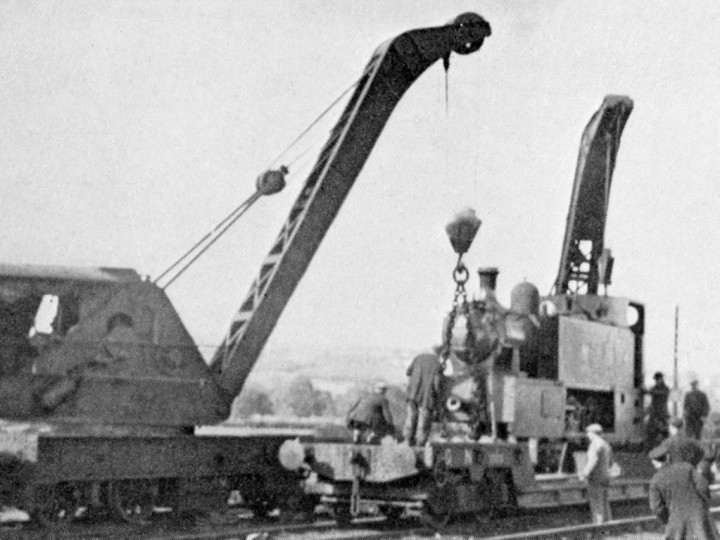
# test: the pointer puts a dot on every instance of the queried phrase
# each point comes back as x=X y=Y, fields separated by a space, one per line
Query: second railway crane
x=584 y=263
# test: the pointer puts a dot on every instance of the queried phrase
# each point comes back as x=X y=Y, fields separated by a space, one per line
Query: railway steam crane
x=100 y=382
x=584 y=263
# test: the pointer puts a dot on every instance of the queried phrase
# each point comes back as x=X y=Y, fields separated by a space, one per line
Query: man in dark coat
x=424 y=374
x=370 y=418
x=677 y=447
x=657 y=428
x=680 y=497
x=695 y=409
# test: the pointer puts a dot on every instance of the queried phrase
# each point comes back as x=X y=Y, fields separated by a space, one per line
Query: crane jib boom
x=393 y=68
x=585 y=229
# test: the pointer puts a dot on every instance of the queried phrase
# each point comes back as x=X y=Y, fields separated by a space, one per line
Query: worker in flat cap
x=597 y=474
x=678 y=448
x=370 y=418
x=696 y=408
x=658 y=414
x=679 y=497
x=423 y=391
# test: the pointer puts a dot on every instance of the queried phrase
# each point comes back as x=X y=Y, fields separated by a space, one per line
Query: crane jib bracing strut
x=393 y=68
x=585 y=229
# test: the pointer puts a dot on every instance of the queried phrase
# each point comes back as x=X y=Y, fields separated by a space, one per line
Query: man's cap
x=441 y=349
x=594 y=428
x=658 y=453
x=658 y=375
x=676 y=422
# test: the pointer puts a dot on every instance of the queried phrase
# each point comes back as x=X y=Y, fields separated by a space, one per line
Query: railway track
x=320 y=528
x=565 y=523
x=173 y=531
x=628 y=526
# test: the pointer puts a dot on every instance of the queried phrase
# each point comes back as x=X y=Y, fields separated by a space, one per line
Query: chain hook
x=460 y=276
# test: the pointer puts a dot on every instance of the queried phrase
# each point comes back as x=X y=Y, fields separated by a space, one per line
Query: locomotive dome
x=525 y=298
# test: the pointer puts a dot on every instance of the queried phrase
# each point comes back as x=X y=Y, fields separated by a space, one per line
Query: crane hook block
x=272 y=181
x=462 y=230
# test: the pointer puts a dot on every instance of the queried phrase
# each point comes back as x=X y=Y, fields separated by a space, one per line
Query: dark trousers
x=657 y=431
x=418 y=422
x=693 y=427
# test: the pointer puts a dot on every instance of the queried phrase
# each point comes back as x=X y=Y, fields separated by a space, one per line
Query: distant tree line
x=302 y=399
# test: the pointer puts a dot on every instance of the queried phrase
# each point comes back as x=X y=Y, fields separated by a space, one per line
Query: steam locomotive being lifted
x=520 y=383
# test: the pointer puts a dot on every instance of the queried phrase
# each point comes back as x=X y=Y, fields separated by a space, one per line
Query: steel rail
x=363 y=527
x=628 y=525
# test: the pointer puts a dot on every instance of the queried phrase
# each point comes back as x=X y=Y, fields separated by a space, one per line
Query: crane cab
x=97 y=345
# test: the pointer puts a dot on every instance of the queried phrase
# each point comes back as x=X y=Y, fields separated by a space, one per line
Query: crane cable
x=223 y=226
x=314 y=122
x=202 y=245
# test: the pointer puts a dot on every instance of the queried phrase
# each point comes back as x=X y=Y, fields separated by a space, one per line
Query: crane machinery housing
x=102 y=386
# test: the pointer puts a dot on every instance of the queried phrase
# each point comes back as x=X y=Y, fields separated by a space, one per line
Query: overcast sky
x=128 y=129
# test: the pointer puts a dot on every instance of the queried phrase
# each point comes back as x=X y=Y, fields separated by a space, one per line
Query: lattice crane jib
x=393 y=68
x=584 y=234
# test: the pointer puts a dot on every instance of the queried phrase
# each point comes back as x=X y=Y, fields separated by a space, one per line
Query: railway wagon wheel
x=436 y=517
x=262 y=506
x=341 y=513
x=441 y=502
x=502 y=492
x=257 y=497
x=132 y=501
x=52 y=505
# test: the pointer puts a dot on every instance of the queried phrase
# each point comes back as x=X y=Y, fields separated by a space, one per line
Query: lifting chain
x=460 y=306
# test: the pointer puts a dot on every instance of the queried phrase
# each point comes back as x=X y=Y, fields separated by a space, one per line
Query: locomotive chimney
x=488 y=280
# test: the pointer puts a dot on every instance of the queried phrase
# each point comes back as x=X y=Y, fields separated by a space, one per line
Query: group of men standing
x=679 y=492
x=695 y=410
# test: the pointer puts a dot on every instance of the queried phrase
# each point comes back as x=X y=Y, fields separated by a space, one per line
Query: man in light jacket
x=597 y=474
